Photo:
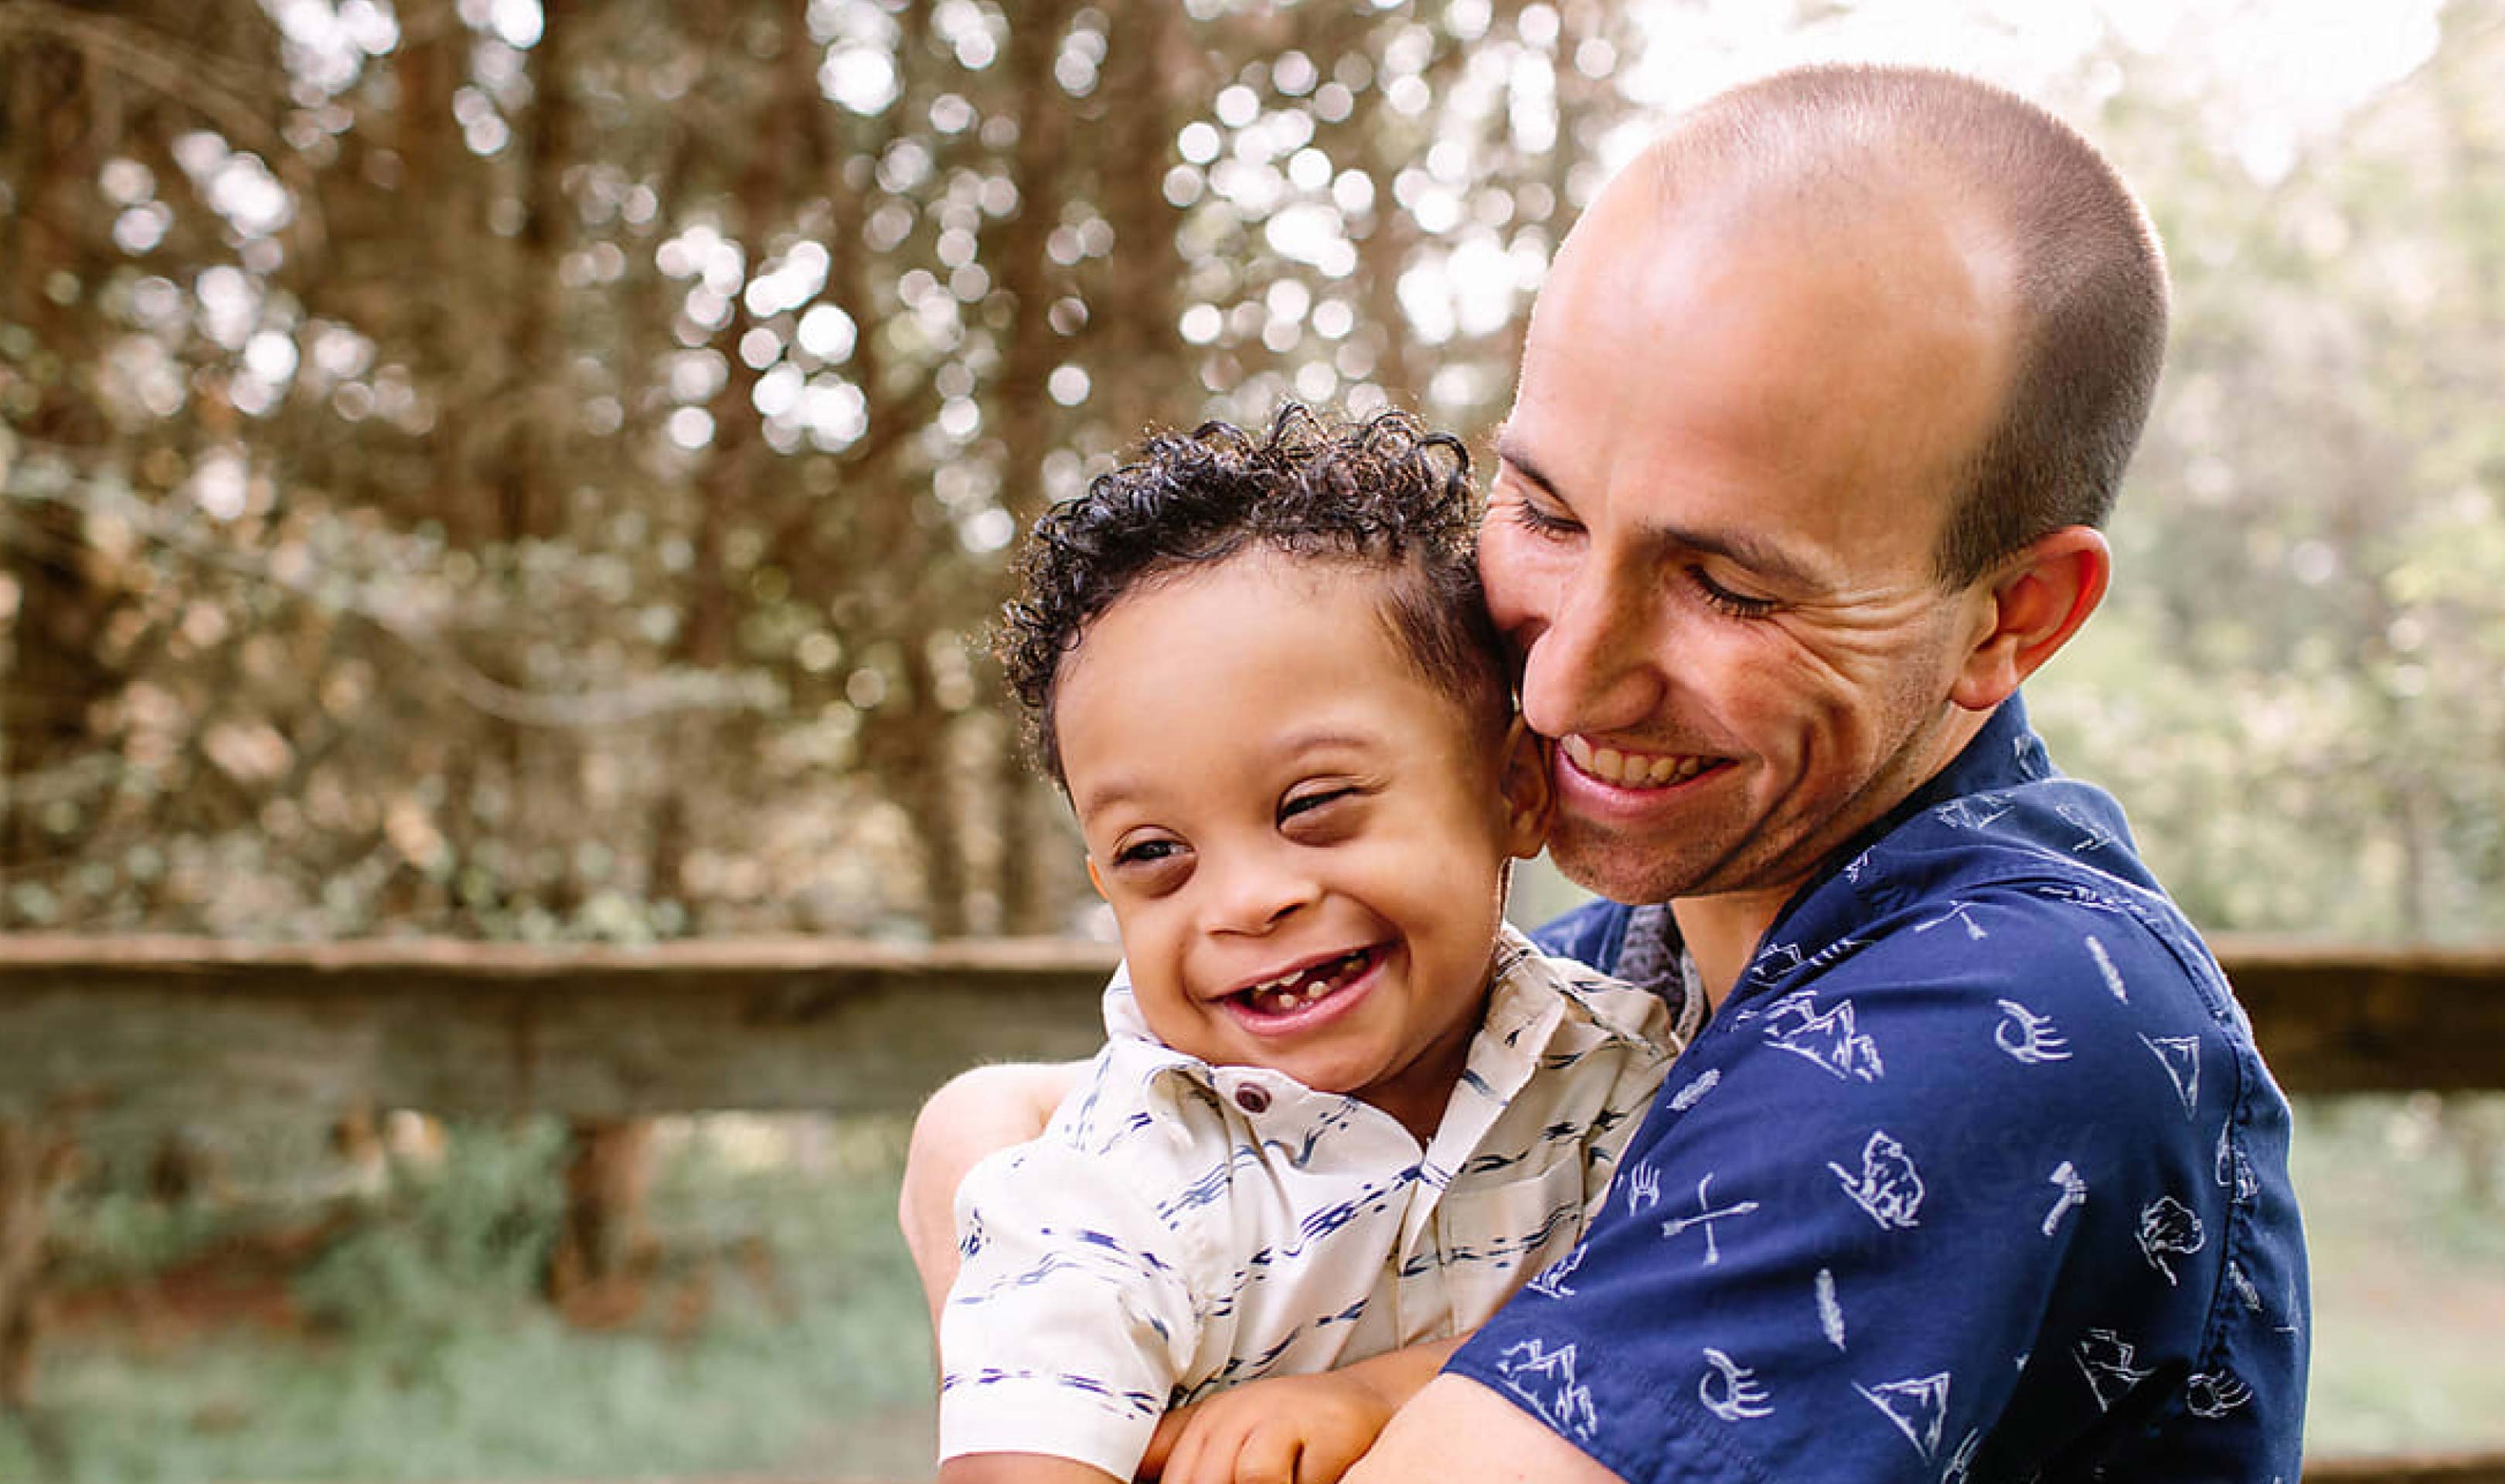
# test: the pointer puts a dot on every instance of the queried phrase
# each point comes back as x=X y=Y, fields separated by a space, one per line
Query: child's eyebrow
x=1324 y=737
x=1103 y=794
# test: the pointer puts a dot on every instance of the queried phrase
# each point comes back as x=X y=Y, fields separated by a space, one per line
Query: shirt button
x=1252 y=1099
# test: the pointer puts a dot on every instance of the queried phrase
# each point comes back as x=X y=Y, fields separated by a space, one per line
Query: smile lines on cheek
x=1631 y=771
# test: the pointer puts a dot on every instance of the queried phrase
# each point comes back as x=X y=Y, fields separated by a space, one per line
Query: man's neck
x=1723 y=931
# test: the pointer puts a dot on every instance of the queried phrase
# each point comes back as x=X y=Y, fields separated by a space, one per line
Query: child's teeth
x=1290 y=991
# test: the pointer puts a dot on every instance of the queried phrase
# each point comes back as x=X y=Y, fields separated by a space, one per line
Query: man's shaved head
x=1821 y=147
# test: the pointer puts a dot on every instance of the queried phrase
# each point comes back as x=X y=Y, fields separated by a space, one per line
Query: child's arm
x=1291 y=1430
x=1020 y=1468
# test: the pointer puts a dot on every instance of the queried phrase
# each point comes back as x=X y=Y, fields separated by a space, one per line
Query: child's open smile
x=1303 y=838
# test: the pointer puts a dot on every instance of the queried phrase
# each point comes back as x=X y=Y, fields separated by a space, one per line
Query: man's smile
x=1628 y=769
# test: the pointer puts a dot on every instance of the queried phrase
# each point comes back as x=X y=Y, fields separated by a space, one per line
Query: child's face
x=1303 y=839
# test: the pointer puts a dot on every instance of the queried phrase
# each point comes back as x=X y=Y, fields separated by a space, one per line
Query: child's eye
x=1736 y=605
x=1309 y=802
x=1147 y=852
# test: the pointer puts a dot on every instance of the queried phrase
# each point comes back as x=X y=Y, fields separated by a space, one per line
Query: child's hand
x=1287 y=1429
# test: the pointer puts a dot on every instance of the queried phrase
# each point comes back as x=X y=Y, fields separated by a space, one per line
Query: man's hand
x=1291 y=1430
x=974 y=1115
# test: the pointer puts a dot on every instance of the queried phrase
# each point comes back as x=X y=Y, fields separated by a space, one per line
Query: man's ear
x=2038 y=600
x=1529 y=801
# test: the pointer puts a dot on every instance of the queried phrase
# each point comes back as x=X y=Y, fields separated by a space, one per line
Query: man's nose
x=1257 y=894
x=1593 y=665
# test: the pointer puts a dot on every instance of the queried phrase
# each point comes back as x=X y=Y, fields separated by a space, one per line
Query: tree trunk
x=33 y=1163
x=66 y=590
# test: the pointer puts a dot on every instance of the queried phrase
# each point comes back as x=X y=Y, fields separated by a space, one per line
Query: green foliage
x=453 y=1241
x=582 y=526
x=2409 y=1259
x=783 y=1335
x=780 y=1334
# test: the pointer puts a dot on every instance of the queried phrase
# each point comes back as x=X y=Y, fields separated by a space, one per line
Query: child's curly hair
x=1385 y=494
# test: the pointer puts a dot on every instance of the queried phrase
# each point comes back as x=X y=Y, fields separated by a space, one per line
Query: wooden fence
x=128 y=1037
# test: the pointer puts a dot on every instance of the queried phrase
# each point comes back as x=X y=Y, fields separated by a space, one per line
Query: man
x=1973 y=1172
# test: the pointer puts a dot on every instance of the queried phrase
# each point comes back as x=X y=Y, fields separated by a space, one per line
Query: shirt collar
x=1524 y=1010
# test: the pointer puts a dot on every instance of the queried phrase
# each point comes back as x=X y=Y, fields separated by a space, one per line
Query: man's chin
x=1622 y=869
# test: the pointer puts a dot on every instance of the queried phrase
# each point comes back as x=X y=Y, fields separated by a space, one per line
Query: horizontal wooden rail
x=149 y=1031
x=141 y=1033
x=152 y=1030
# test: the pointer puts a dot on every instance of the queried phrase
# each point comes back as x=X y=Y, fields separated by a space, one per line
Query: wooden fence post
x=34 y=1161
x=596 y=1271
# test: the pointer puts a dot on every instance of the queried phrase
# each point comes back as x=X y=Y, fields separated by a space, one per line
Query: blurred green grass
x=780 y=1330
x=780 y=1334
x=2404 y=1202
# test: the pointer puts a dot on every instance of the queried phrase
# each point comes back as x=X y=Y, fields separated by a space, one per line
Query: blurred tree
x=2297 y=683
x=540 y=469
x=533 y=468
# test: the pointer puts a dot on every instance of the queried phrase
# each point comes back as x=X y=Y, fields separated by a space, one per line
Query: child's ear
x=1523 y=780
x=1096 y=880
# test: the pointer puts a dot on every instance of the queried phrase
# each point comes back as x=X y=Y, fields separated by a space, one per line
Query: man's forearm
x=975 y=1114
x=1457 y=1431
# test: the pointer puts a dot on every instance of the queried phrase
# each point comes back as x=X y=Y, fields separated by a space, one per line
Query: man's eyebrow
x=1509 y=455
x=1745 y=549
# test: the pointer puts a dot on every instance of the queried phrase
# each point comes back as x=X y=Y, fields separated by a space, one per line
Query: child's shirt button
x=1252 y=1099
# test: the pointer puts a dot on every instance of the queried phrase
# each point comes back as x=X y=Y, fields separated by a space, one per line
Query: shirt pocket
x=1493 y=1239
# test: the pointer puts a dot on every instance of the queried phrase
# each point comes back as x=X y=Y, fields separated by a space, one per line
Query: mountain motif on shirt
x=1551 y=1281
x=1830 y=1042
x=1918 y=1407
x=1888 y=1187
x=1544 y=1379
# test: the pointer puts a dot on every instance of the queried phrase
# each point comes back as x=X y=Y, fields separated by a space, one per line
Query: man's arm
x=1020 y=1468
x=1457 y=1431
x=975 y=1116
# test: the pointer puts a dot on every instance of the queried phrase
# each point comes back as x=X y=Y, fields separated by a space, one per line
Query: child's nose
x=1256 y=895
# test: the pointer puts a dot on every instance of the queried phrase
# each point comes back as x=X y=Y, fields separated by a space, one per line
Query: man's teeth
x=1632 y=770
x=1288 y=991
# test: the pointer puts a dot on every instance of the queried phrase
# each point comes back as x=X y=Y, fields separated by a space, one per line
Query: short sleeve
x=1071 y=1317
x=1872 y=1218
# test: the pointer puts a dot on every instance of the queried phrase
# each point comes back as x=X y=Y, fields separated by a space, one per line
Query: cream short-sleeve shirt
x=1182 y=1228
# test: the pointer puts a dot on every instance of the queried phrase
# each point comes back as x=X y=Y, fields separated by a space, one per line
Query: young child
x=1343 y=1110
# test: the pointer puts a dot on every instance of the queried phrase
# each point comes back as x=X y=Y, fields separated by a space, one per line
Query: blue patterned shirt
x=1974 y=1175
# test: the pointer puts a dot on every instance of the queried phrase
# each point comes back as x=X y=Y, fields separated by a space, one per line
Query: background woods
x=545 y=469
